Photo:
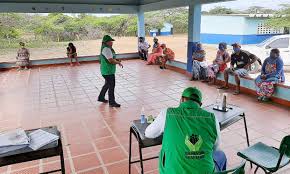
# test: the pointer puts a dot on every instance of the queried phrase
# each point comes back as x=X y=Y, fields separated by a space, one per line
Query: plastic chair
x=270 y=159
x=237 y=170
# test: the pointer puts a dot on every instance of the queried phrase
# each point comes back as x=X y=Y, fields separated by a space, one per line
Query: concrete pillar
x=141 y=24
x=194 y=23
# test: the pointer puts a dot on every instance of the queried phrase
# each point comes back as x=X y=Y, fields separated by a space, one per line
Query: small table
x=225 y=119
x=233 y=115
x=27 y=154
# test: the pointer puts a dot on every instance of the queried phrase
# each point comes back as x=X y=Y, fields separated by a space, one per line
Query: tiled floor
x=96 y=136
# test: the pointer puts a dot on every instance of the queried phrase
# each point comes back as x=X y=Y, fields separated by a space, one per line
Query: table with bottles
x=232 y=114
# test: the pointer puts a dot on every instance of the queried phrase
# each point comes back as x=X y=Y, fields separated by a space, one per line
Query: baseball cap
x=192 y=93
x=107 y=38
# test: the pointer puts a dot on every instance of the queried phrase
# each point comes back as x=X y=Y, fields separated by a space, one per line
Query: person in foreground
x=272 y=73
x=108 y=69
x=168 y=55
x=243 y=60
x=22 y=58
x=191 y=137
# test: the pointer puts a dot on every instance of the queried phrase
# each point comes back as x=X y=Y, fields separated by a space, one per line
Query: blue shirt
x=273 y=68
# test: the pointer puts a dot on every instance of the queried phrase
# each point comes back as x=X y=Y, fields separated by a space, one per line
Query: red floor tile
x=93 y=171
x=33 y=170
x=121 y=168
x=86 y=162
x=106 y=143
x=113 y=155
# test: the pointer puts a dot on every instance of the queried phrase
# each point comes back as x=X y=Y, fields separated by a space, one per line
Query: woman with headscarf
x=199 y=65
x=272 y=73
x=220 y=62
x=22 y=58
x=168 y=55
x=71 y=52
x=156 y=53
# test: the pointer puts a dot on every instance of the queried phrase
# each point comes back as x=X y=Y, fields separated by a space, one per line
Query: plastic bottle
x=224 y=103
x=218 y=99
x=143 y=118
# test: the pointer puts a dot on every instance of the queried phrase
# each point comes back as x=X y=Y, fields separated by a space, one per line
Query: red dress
x=154 y=56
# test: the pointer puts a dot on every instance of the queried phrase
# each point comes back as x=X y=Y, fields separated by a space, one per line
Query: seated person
x=199 y=65
x=272 y=73
x=155 y=44
x=143 y=47
x=168 y=55
x=243 y=60
x=191 y=137
x=22 y=58
x=156 y=53
x=71 y=52
x=219 y=64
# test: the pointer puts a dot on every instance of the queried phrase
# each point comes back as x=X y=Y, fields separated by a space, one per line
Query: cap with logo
x=107 y=38
x=192 y=93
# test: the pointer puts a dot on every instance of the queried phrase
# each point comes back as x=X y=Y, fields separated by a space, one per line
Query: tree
x=281 y=18
x=9 y=26
x=221 y=10
x=259 y=10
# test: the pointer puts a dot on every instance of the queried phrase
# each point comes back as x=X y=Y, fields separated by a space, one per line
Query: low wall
x=228 y=38
x=66 y=60
x=281 y=95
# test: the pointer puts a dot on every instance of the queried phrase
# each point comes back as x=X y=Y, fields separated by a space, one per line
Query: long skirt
x=153 y=58
x=198 y=72
x=266 y=88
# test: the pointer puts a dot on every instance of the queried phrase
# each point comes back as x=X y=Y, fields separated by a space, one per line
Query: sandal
x=236 y=93
x=223 y=87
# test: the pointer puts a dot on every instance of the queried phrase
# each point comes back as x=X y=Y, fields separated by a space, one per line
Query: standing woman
x=272 y=73
x=108 y=69
x=22 y=58
x=71 y=52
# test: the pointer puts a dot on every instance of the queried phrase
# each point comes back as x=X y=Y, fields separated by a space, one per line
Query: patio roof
x=95 y=136
x=92 y=6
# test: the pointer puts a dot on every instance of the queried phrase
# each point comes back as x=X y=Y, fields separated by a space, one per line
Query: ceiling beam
x=66 y=8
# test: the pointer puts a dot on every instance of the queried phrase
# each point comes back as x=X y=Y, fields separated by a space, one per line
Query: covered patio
x=96 y=137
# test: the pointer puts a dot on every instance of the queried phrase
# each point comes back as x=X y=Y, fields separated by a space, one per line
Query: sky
x=244 y=4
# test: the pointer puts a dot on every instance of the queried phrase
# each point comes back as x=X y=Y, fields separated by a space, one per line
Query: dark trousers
x=143 y=54
x=109 y=85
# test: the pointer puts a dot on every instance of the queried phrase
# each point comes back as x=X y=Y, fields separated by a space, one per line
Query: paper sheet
x=40 y=138
x=12 y=138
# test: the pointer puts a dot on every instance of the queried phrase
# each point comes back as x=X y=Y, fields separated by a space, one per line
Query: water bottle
x=143 y=119
x=218 y=99
x=224 y=103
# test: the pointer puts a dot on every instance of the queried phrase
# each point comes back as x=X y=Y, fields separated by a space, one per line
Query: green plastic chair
x=237 y=170
x=270 y=159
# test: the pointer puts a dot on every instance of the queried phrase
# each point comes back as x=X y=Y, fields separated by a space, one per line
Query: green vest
x=188 y=141
x=106 y=67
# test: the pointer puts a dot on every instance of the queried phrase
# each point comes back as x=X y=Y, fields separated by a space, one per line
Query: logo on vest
x=194 y=143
